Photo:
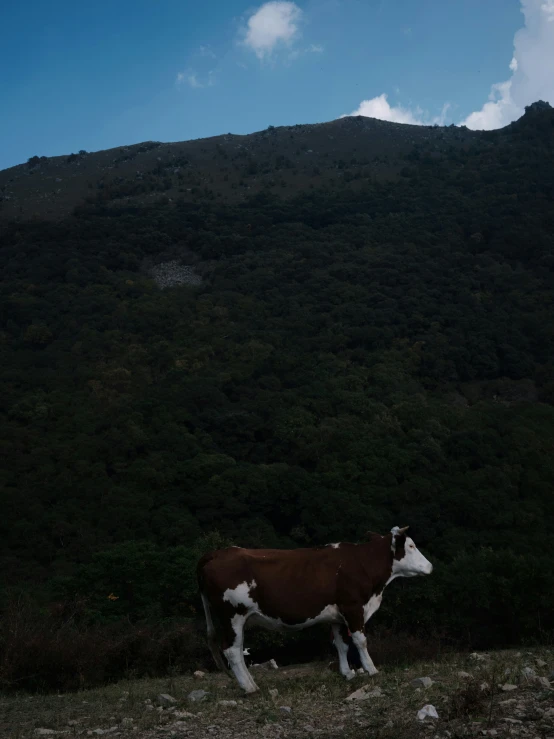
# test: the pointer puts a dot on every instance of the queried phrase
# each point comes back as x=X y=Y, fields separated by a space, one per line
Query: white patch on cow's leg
x=342 y=649
x=359 y=639
x=235 y=656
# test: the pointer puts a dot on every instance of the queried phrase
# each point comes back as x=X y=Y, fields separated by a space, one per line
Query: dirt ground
x=504 y=694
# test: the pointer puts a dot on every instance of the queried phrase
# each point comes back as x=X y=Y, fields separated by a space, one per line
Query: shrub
x=43 y=650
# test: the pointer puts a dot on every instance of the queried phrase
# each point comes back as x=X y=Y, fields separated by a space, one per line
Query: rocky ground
x=508 y=694
x=170 y=274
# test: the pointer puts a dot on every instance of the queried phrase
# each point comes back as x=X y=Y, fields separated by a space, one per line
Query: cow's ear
x=398 y=536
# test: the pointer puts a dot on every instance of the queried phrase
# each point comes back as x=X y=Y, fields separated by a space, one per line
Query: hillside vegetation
x=372 y=347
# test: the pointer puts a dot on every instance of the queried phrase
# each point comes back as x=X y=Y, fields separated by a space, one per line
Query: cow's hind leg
x=212 y=637
x=339 y=632
x=235 y=655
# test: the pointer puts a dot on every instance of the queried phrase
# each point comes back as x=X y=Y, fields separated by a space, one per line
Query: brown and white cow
x=291 y=589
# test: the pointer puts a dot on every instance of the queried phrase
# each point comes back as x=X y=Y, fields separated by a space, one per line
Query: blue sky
x=79 y=75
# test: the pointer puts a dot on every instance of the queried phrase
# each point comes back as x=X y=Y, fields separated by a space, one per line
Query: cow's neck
x=377 y=560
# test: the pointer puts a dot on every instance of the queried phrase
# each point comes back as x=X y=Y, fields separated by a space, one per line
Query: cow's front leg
x=360 y=640
x=355 y=620
x=342 y=649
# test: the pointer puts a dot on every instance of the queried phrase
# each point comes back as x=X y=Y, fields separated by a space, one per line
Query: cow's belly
x=330 y=614
x=286 y=613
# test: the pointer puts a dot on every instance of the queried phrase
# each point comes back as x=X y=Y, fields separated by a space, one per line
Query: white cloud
x=379 y=107
x=532 y=68
x=192 y=80
x=315 y=49
x=207 y=51
x=274 y=24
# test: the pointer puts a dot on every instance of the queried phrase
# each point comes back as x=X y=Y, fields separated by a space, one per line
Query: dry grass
x=316 y=696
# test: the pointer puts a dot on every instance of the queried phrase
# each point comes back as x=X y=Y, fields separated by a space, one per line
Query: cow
x=291 y=589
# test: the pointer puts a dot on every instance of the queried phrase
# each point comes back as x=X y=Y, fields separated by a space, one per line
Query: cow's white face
x=412 y=563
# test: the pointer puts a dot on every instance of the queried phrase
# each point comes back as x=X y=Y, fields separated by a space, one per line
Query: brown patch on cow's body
x=295 y=585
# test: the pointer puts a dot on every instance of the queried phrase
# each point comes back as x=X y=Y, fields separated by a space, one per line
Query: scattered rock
x=363 y=694
x=148 y=707
x=127 y=722
x=273 y=692
x=48 y=732
x=542 y=681
x=169 y=274
x=286 y=709
x=184 y=714
x=197 y=695
x=199 y=674
x=464 y=675
x=227 y=703
x=422 y=682
x=427 y=711
x=540 y=663
x=528 y=672
x=165 y=700
x=507 y=687
x=375 y=693
x=358 y=695
x=270 y=665
x=478 y=657
x=484 y=686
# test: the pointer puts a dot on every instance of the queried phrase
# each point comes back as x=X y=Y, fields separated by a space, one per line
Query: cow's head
x=407 y=560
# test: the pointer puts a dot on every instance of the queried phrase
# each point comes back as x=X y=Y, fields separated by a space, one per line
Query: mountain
x=282 y=161
x=283 y=339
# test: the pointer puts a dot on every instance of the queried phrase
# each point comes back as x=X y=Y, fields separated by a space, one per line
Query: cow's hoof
x=360 y=671
x=372 y=672
x=350 y=675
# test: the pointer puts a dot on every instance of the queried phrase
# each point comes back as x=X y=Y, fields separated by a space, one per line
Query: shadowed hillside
x=282 y=339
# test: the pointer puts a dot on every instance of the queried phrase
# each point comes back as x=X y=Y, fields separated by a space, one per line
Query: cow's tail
x=213 y=641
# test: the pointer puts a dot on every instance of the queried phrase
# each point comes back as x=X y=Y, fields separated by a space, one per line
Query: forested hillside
x=364 y=353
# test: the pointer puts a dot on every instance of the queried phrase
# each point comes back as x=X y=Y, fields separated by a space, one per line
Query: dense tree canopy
x=355 y=358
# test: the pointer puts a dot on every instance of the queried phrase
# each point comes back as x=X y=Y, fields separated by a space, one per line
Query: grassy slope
x=316 y=696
